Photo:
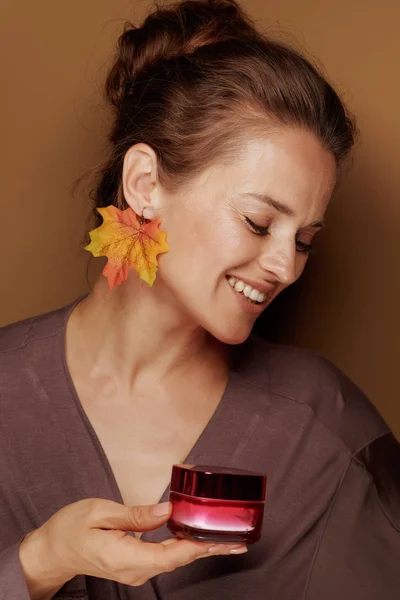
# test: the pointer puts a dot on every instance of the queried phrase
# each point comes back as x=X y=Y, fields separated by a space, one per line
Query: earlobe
x=149 y=213
x=139 y=180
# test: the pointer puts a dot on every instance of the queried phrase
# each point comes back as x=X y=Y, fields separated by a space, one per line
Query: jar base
x=219 y=537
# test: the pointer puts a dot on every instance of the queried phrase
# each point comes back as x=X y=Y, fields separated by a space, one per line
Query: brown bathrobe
x=332 y=517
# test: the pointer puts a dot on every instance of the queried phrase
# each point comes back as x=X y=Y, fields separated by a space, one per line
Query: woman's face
x=245 y=230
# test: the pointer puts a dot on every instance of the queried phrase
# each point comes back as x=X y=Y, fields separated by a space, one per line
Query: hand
x=88 y=537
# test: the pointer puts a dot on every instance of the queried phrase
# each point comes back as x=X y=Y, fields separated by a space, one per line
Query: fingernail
x=240 y=550
x=160 y=510
x=214 y=549
x=221 y=549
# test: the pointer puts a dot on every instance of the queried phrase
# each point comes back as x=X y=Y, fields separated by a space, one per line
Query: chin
x=227 y=326
x=231 y=335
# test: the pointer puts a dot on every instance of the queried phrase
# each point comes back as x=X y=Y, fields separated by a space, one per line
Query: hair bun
x=204 y=80
x=174 y=30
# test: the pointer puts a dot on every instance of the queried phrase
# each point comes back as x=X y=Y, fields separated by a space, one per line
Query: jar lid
x=224 y=483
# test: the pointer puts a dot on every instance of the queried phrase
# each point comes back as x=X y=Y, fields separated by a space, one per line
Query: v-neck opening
x=94 y=438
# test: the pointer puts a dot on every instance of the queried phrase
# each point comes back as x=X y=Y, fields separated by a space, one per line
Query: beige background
x=53 y=60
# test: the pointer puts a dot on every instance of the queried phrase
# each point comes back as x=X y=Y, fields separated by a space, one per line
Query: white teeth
x=239 y=286
x=247 y=290
x=254 y=295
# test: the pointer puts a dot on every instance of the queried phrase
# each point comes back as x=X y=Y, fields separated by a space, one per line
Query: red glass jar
x=216 y=504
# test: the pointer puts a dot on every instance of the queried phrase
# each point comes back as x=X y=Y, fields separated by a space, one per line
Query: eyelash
x=258 y=230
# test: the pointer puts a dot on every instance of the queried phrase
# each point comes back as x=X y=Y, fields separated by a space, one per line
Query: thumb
x=111 y=515
x=146 y=518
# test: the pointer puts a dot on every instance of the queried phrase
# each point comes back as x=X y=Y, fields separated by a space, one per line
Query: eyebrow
x=281 y=208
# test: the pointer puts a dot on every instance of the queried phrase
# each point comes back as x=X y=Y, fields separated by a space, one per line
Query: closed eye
x=302 y=247
x=256 y=228
x=259 y=230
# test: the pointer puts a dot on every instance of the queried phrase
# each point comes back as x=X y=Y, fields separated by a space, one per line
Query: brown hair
x=195 y=78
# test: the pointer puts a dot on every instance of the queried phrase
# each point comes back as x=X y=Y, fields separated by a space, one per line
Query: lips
x=248 y=305
x=249 y=292
x=265 y=287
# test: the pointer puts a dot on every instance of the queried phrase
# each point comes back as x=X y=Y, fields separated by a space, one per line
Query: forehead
x=290 y=165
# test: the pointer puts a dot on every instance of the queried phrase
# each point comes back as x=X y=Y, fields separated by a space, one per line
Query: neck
x=131 y=333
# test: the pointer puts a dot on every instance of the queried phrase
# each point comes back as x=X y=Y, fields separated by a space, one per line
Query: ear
x=140 y=182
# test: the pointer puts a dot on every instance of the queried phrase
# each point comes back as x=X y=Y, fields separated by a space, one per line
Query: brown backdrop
x=53 y=60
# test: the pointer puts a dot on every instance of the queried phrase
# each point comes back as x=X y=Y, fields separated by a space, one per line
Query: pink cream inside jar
x=218 y=504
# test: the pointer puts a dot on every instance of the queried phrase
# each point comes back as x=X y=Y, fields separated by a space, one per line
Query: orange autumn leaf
x=127 y=245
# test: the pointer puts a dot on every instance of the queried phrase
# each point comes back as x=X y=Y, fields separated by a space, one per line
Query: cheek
x=196 y=251
x=219 y=243
x=235 y=243
x=204 y=248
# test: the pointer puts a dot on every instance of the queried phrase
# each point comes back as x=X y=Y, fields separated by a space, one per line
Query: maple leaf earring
x=128 y=243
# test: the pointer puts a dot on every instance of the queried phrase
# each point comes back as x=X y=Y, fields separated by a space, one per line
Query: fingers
x=168 y=541
x=174 y=553
x=107 y=514
x=129 y=560
x=151 y=559
x=206 y=549
x=147 y=518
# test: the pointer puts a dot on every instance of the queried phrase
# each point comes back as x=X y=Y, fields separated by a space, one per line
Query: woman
x=226 y=147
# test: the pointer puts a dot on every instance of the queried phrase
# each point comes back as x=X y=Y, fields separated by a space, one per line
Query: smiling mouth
x=253 y=295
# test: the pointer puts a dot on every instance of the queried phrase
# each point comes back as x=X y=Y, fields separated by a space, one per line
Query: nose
x=280 y=260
